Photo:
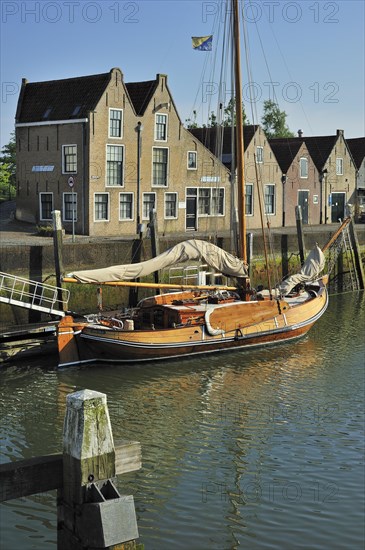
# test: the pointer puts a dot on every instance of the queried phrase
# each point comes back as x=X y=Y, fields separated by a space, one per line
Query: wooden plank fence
x=90 y=511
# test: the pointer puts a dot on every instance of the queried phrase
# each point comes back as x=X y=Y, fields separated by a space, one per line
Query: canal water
x=259 y=449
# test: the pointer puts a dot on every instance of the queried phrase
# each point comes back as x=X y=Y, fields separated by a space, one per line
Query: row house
x=357 y=148
x=260 y=165
x=105 y=153
x=319 y=174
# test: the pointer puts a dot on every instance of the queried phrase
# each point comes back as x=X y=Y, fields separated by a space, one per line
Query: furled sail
x=310 y=271
x=194 y=249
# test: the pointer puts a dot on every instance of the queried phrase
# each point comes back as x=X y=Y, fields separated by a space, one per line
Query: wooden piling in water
x=298 y=216
x=90 y=511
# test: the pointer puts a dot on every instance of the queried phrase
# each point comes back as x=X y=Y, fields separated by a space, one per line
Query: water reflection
x=240 y=448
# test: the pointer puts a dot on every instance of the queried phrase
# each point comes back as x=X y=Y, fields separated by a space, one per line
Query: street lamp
x=139 y=129
x=322 y=175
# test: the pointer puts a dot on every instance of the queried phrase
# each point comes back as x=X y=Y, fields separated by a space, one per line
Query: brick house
x=336 y=173
x=299 y=177
x=259 y=164
x=107 y=152
x=357 y=148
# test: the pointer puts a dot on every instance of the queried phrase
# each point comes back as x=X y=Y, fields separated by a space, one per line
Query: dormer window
x=46 y=113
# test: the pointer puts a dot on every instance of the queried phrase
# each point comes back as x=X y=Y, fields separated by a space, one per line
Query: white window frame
x=176 y=206
x=121 y=123
x=339 y=166
x=259 y=156
x=274 y=195
x=121 y=147
x=195 y=166
x=246 y=194
x=305 y=176
x=132 y=208
x=144 y=217
x=158 y=185
x=73 y=202
x=64 y=171
x=165 y=125
x=40 y=207
x=107 y=219
x=210 y=203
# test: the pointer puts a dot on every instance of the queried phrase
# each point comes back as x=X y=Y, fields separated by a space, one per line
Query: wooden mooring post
x=91 y=513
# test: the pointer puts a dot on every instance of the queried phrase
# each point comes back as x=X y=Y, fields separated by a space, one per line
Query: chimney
x=300 y=133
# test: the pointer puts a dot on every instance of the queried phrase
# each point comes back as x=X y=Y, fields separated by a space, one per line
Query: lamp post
x=322 y=175
x=283 y=181
x=139 y=129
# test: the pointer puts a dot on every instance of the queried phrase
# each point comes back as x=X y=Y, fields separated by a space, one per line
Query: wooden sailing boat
x=204 y=319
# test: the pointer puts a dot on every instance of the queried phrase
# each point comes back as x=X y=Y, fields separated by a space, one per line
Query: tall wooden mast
x=239 y=135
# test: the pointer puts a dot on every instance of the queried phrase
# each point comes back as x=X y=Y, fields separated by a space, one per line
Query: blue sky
x=314 y=49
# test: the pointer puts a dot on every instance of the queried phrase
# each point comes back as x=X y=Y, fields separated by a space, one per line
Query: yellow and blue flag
x=202 y=43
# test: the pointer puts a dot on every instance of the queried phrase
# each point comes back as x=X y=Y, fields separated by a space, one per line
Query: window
x=171 y=205
x=249 y=199
x=114 y=164
x=217 y=207
x=159 y=170
x=210 y=201
x=69 y=207
x=125 y=206
x=45 y=206
x=339 y=167
x=69 y=159
x=303 y=167
x=259 y=154
x=270 y=199
x=204 y=202
x=115 y=123
x=161 y=128
x=149 y=203
x=101 y=207
x=192 y=163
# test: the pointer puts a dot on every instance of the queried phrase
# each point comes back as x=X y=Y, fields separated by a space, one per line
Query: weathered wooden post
x=91 y=512
x=57 y=243
x=298 y=216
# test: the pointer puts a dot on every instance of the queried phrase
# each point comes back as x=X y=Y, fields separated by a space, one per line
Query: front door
x=191 y=209
x=338 y=207
x=303 y=201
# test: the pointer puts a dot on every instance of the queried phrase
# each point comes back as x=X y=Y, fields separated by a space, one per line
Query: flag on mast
x=202 y=43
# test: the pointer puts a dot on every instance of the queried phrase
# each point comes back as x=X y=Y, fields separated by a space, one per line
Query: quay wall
x=36 y=262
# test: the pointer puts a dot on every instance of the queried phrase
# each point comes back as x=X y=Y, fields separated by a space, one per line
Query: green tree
x=7 y=190
x=8 y=160
x=274 y=121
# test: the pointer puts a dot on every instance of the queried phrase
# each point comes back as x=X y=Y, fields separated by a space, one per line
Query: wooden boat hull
x=81 y=343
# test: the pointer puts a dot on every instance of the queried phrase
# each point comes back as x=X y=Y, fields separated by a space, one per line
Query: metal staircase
x=33 y=295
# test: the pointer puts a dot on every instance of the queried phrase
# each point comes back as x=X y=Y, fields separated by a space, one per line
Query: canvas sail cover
x=215 y=257
x=310 y=271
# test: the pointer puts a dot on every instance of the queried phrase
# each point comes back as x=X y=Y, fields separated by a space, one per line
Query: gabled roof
x=285 y=152
x=319 y=147
x=219 y=141
x=357 y=149
x=141 y=94
x=71 y=98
